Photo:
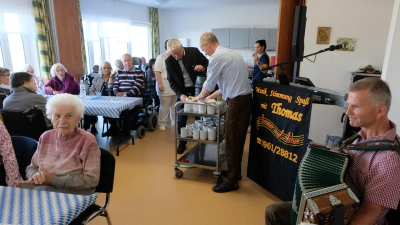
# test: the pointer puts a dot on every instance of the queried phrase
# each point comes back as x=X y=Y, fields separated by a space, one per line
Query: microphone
x=333 y=48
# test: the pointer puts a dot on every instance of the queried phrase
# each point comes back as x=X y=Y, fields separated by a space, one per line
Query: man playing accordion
x=373 y=176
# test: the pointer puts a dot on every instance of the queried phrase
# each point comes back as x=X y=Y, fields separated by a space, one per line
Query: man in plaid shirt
x=373 y=176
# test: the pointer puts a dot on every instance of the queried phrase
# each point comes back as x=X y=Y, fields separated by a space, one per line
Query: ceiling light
x=161 y=2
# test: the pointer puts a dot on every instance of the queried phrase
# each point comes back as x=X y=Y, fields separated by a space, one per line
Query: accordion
x=321 y=196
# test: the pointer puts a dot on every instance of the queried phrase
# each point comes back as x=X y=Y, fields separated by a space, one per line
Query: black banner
x=279 y=134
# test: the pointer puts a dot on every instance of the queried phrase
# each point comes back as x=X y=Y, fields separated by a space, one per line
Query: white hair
x=102 y=64
x=65 y=100
x=54 y=67
x=118 y=63
x=173 y=44
x=25 y=68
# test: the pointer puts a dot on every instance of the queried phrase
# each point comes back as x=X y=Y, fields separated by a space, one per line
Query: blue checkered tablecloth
x=28 y=207
x=109 y=106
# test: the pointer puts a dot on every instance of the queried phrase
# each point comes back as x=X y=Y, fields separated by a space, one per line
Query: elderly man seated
x=129 y=81
x=5 y=80
x=24 y=95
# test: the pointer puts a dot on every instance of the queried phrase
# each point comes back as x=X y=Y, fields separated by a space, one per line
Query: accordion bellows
x=319 y=187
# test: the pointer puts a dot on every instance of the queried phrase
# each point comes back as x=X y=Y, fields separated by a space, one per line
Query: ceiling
x=173 y=4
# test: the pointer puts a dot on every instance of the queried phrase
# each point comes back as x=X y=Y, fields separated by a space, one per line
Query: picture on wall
x=323 y=35
x=348 y=44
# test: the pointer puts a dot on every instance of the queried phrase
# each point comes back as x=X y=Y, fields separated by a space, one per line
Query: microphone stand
x=282 y=65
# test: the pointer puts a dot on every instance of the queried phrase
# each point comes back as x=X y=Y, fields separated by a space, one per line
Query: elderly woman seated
x=8 y=159
x=61 y=81
x=67 y=158
x=29 y=69
x=24 y=95
x=101 y=84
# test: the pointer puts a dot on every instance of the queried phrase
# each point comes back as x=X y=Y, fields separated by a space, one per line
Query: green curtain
x=45 y=42
x=155 y=35
x=84 y=61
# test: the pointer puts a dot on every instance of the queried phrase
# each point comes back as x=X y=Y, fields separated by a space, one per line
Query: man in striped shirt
x=129 y=81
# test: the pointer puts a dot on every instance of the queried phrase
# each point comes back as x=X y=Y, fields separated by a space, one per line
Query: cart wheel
x=218 y=180
x=152 y=122
x=178 y=173
x=141 y=132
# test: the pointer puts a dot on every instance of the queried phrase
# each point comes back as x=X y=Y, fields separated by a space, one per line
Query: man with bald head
x=228 y=69
x=129 y=81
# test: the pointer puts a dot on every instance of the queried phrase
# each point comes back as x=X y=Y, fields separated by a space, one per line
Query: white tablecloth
x=28 y=207
x=109 y=106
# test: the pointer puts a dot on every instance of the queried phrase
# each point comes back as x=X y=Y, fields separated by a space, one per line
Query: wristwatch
x=258 y=63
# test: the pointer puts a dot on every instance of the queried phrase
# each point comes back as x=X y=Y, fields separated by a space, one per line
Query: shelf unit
x=206 y=153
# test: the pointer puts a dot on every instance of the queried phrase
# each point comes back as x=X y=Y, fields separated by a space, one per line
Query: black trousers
x=155 y=96
x=87 y=120
x=182 y=119
x=278 y=213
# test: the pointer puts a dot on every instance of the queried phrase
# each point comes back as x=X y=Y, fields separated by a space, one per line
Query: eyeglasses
x=5 y=75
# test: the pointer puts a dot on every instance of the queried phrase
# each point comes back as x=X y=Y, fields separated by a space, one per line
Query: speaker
x=299 y=29
x=283 y=79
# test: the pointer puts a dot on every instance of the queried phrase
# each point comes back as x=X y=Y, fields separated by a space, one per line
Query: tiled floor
x=146 y=191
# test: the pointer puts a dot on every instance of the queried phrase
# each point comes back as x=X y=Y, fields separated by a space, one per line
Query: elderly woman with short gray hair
x=67 y=158
x=61 y=81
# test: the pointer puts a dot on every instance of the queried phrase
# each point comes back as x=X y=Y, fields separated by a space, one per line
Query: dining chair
x=136 y=61
x=393 y=216
x=24 y=148
x=106 y=183
x=2 y=97
x=29 y=123
x=2 y=176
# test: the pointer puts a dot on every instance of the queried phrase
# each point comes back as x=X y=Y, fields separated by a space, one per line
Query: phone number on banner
x=278 y=150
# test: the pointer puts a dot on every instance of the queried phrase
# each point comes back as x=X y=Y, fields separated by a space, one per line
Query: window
x=16 y=51
x=1 y=58
x=109 y=40
x=15 y=44
x=18 y=35
x=140 y=41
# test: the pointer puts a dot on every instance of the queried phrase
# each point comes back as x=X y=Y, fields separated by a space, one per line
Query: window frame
x=27 y=32
x=105 y=51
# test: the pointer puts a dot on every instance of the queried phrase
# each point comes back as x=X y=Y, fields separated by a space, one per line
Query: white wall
x=391 y=64
x=192 y=23
x=115 y=10
x=366 y=20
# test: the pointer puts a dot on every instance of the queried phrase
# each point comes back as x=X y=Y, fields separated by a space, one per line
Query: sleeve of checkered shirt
x=383 y=180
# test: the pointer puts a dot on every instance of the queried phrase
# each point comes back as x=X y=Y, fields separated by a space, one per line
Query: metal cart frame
x=205 y=154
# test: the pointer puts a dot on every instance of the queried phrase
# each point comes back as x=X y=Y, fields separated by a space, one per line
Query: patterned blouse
x=8 y=159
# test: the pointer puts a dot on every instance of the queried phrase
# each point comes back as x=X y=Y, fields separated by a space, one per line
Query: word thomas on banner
x=280 y=124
